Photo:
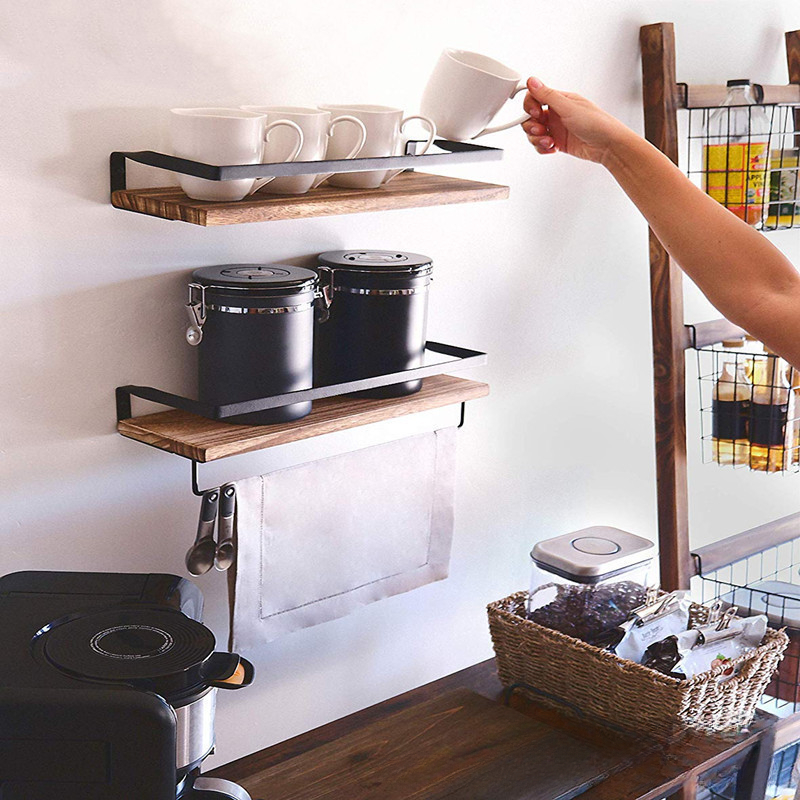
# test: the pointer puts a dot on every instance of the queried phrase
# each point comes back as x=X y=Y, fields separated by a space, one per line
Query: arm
x=748 y=279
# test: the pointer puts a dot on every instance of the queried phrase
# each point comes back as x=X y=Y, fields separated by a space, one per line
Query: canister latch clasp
x=196 y=309
x=324 y=294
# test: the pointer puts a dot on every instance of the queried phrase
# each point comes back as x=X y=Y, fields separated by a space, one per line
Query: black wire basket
x=765 y=582
x=755 y=175
x=722 y=782
x=783 y=774
x=749 y=408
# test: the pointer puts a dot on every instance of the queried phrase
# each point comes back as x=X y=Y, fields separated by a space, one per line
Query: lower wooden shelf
x=206 y=440
x=409 y=190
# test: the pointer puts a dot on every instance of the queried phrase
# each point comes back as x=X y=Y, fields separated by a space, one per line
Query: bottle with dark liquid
x=730 y=409
x=769 y=413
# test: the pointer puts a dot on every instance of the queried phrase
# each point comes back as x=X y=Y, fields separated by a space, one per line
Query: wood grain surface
x=713 y=331
x=408 y=190
x=459 y=746
x=652 y=772
x=793 y=55
x=706 y=96
x=205 y=440
x=660 y=97
x=792 y=39
x=747 y=543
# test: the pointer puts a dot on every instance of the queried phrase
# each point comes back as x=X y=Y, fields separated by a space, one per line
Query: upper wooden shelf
x=206 y=440
x=408 y=190
x=712 y=96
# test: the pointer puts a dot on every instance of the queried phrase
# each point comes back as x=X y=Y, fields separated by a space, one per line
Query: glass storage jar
x=587 y=582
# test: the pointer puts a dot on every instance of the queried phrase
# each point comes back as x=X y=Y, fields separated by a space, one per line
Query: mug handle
x=520 y=86
x=354 y=152
x=431 y=125
x=259 y=182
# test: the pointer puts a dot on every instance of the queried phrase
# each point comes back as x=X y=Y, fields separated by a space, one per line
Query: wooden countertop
x=646 y=774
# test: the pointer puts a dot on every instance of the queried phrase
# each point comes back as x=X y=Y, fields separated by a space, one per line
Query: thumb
x=547 y=96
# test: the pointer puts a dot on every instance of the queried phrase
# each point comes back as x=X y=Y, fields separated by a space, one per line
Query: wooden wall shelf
x=206 y=440
x=409 y=190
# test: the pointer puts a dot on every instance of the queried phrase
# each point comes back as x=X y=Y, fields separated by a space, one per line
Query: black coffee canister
x=253 y=325
x=378 y=317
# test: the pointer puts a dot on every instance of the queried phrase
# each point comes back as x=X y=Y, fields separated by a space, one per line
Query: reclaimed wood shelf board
x=206 y=440
x=638 y=769
x=460 y=746
x=409 y=190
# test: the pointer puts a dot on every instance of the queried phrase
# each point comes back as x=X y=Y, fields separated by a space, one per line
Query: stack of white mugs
x=463 y=95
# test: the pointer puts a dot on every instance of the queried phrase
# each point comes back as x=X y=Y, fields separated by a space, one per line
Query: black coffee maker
x=108 y=686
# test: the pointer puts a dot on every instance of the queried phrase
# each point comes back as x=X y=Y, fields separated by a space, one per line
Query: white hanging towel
x=318 y=540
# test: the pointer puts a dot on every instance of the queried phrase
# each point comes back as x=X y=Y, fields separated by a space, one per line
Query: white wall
x=553 y=283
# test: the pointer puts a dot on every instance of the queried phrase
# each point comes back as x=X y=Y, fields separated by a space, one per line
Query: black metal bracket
x=456 y=153
x=195 y=484
x=461 y=358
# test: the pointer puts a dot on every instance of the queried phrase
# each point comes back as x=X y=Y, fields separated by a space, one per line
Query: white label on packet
x=744 y=634
x=641 y=635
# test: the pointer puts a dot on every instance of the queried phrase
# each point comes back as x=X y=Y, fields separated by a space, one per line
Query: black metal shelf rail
x=455 y=153
x=459 y=358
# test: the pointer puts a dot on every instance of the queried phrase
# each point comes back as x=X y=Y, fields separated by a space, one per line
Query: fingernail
x=535 y=83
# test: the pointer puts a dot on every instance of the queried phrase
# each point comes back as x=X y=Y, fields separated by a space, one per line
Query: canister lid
x=130 y=644
x=592 y=554
x=259 y=277
x=376 y=261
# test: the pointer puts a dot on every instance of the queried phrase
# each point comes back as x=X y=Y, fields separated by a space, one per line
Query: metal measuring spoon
x=225 y=547
x=200 y=556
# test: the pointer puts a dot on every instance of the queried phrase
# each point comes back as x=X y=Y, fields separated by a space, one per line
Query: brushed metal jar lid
x=592 y=554
x=257 y=277
x=376 y=261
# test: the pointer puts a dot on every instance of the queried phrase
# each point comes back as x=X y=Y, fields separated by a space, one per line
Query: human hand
x=569 y=123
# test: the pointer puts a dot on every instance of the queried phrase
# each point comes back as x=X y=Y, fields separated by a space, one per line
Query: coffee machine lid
x=155 y=648
x=256 y=277
x=382 y=261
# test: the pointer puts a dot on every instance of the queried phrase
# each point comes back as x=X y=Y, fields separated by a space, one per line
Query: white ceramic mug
x=465 y=92
x=384 y=127
x=317 y=126
x=224 y=136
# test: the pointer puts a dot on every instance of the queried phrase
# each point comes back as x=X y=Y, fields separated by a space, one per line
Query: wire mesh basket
x=783 y=775
x=749 y=408
x=765 y=582
x=722 y=782
x=755 y=175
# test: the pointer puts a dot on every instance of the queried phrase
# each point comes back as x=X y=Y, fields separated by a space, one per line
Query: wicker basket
x=622 y=693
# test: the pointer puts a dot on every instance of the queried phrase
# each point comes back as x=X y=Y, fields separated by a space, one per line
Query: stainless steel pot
x=195 y=729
